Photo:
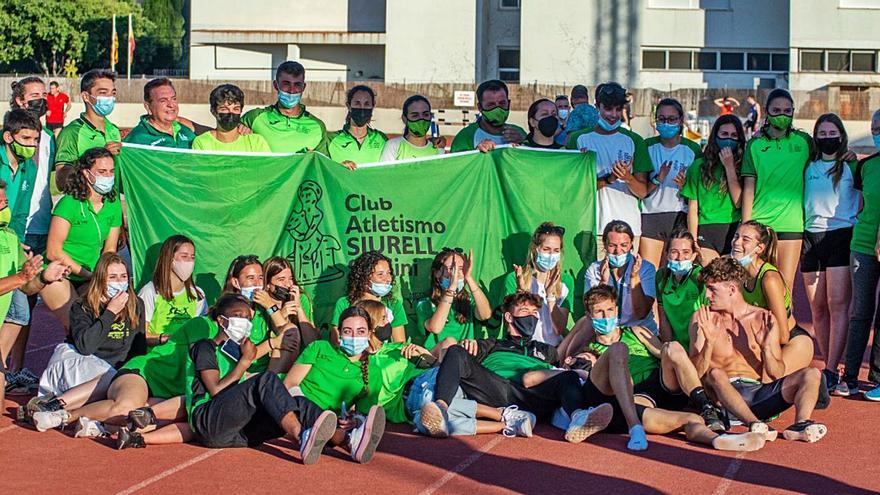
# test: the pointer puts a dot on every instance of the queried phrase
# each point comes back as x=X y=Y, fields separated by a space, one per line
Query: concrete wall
x=430 y=42
x=501 y=29
x=287 y=15
x=558 y=43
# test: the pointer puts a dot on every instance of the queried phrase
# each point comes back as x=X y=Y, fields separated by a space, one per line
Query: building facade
x=662 y=44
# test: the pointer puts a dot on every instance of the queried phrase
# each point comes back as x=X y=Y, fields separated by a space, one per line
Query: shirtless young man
x=737 y=347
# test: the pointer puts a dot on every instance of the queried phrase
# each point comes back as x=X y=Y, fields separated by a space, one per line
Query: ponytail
x=766 y=236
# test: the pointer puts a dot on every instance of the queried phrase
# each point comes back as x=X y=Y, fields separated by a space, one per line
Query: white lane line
x=41 y=348
x=164 y=474
x=446 y=478
x=730 y=474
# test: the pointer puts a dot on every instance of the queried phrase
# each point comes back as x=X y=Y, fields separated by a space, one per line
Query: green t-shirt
x=453 y=328
x=144 y=133
x=641 y=362
x=394 y=305
x=343 y=146
x=512 y=366
x=88 y=230
x=168 y=316
x=80 y=135
x=333 y=378
x=867 y=180
x=390 y=373
x=19 y=189
x=287 y=134
x=464 y=140
x=12 y=258
x=679 y=301
x=714 y=207
x=246 y=143
x=406 y=150
x=778 y=168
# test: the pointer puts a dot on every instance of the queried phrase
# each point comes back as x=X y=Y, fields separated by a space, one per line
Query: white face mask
x=238 y=329
x=183 y=269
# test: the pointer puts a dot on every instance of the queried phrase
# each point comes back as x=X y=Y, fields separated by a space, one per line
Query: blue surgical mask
x=104 y=105
x=114 y=288
x=248 y=292
x=746 y=260
x=289 y=100
x=353 y=346
x=379 y=289
x=103 y=185
x=726 y=143
x=680 y=267
x=877 y=141
x=445 y=283
x=547 y=261
x=604 y=326
x=618 y=260
x=608 y=126
x=563 y=113
x=668 y=131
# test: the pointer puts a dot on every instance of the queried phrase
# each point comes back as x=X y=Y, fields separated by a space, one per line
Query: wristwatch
x=655 y=181
x=272 y=310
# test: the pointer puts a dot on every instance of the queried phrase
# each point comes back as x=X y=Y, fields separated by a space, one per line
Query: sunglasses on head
x=551 y=229
x=452 y=249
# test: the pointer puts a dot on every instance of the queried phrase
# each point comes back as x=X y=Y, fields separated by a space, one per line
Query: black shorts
x=764 y=399
x=717 y=236
x=749 y=124
x=594 y=397
x=660 y=225
x=655 y=390
x=790 y=236
x=797 y=331
x=54 y=125
x=823 y=250
x=128 y=371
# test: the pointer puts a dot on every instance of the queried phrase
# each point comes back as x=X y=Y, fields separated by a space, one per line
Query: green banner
x=321 y=216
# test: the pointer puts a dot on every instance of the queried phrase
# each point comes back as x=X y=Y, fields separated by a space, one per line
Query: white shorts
x=68 y=368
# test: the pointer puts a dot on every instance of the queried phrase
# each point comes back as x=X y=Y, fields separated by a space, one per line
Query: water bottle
x=435 y=129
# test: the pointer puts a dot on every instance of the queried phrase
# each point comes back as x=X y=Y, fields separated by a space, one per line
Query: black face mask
x=38 y=107
x=525 y=325
x=548 y=125
x=228 y=121
x=360 y=116
x=829 y=146
x=383 y=333
x=281 y=294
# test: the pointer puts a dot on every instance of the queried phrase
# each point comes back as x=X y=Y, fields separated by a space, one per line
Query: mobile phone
x=231 y=349
x=424 y=360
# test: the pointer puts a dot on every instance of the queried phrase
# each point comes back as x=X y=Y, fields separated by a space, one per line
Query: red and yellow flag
x=114 y=47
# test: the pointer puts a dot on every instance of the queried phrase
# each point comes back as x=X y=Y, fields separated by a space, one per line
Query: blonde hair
x=545 y=230
x=97 y=290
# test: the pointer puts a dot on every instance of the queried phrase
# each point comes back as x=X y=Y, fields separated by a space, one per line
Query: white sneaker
x=89 y=428
x=366 y=437
x=585 y=423
x=46 y=420
x=517 y=423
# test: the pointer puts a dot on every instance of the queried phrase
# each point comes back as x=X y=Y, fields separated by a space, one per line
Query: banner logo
x=314 y=252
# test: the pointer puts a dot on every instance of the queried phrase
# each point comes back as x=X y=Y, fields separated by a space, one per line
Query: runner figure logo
x=314 y=253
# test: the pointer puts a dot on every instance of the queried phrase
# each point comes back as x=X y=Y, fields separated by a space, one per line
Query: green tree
x=167 y=17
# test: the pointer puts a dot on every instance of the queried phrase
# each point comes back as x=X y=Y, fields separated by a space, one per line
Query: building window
x=758 y=61
x=690 y=4
x=508 y=64
x=731 y=61
x=863 y=62
x=812 y=60
x=680 y=60
x=509 y=4
x=654 y=59
x=860 y=4
x=706 y=60
x=838 y=61
x=779 y=62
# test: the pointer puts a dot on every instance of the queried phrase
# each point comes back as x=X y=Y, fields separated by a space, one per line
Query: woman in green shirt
x=337 y=376
x=773 y=180
x=370 y=277
x=416 y=141
x=172 y=298
x=448 y=315
x=754 y=247
x=357 y=142
x=713 y=188
x=85 y=223
x=678 y=289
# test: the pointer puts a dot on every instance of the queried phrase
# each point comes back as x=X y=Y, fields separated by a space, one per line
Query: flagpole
x=128 y=49
x=112 y=38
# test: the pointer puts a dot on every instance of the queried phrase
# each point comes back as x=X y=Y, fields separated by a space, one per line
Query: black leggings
x=460 y=369
x=250 y=413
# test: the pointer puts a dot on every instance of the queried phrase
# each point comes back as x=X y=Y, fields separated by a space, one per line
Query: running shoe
x=712 y=418
x=129 y=440
x=140 y=418
x=313 y=440
x=435 y=420
x=89 y=428
x=517 y=423
x=46 y=420
x=587 y=422
x=805 y=431
x=365 y=438
x=846 y=389
x=873 y=394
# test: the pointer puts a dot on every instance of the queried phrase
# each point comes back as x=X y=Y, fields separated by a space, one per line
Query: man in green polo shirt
x=491 y=128
x=160 y=127
x=92 y=129
x=21 y=136
x=286 y=125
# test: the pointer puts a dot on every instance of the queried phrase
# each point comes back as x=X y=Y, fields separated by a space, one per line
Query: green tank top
x=406 y=150
x=168 y=316
x=641 y=362
x=756 y=296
